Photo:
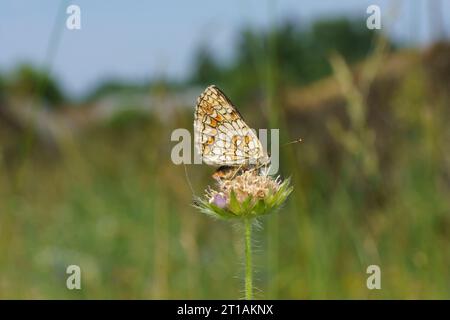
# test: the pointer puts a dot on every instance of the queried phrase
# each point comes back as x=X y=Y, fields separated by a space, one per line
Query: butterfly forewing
x=221 y=135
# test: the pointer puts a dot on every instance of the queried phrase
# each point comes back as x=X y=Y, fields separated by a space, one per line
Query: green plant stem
x=248 y=260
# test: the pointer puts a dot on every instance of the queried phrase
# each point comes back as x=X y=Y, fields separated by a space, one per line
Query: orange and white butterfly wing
x=221 y=136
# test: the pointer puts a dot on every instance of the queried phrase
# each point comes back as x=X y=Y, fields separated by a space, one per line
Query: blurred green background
x=88 y=180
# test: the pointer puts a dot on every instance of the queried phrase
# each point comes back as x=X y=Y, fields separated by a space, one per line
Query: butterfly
x=222 y=137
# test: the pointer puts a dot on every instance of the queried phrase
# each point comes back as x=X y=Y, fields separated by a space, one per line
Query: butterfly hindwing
x=220 y=134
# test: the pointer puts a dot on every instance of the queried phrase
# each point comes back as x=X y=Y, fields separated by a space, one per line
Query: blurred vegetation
x=371 y=178
x=301 y=53
x=28 y=81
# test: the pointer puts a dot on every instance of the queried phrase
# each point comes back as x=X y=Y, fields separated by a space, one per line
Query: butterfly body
x=230 y=172
x=223 y=138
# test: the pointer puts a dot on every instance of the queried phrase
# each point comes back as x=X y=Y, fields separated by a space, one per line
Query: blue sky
x=139 y=39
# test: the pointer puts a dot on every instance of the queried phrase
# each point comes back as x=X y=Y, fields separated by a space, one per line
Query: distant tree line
x=290 y=53
x=30 y=82
x=296 y=54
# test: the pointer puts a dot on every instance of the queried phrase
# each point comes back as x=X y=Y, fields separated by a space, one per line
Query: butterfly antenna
x=189 y=181
x=292 y=142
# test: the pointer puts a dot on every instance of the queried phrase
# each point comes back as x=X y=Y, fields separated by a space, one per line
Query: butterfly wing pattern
x=221 y=136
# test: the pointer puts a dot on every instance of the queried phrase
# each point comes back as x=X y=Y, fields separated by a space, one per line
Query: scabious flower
x=244 y=198
x=249 y=195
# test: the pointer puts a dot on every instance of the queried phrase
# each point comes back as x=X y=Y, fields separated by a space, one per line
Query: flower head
x=245 y=196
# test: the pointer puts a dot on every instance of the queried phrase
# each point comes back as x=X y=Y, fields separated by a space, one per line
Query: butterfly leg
x=236 y=171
